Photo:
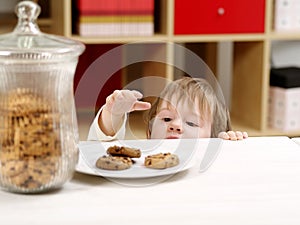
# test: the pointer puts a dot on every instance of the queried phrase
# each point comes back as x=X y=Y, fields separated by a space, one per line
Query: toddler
x=186 y=108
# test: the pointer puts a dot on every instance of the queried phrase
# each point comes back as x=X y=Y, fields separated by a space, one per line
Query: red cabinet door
x=219 y=16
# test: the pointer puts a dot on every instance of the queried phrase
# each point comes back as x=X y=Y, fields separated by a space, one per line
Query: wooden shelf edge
x=124 y=39
x=284 y=35
x=218 y=37
x=173 y=38
x=237 y=125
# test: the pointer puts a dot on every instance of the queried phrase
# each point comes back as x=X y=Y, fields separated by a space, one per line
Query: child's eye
x=167 y=119
x=191 y=124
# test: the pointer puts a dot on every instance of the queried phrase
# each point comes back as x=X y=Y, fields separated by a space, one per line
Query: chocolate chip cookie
x=108 y=162
x=124 y=151
x=161 y=161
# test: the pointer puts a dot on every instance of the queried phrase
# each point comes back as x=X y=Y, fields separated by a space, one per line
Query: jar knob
x=27 y=12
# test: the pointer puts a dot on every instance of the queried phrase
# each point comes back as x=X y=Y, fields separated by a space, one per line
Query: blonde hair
x=189 y=89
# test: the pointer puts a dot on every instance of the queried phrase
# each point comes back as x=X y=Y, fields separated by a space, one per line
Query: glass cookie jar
x=38 y=124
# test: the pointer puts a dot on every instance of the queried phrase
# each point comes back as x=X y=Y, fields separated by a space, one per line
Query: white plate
x=90 y=151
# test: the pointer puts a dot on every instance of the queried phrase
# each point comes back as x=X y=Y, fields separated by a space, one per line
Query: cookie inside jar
x=31 y=144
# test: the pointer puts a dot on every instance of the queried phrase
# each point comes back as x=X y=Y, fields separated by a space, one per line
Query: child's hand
x=233 y=135
x=124 y=101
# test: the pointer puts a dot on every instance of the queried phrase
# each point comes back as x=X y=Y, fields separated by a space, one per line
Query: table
x=254 y=181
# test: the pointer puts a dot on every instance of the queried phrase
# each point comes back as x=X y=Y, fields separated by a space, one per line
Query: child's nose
x=175 y=126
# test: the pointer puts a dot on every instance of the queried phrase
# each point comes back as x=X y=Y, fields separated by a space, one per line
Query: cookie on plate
x=124 y=151
x=108 y=162
x=161 y=160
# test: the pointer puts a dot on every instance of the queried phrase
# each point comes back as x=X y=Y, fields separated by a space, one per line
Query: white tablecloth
x=254 y=181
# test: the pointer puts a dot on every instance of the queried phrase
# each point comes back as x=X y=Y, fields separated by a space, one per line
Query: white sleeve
x=96 y=134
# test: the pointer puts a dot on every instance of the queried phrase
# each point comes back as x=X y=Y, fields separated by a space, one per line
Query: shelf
x=120 y=40
x=250 y=69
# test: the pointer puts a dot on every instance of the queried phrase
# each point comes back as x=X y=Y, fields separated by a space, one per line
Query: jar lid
x=28 y=43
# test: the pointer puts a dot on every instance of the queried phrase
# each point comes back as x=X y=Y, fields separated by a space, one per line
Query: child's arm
x=233 y=135
x=117 y=105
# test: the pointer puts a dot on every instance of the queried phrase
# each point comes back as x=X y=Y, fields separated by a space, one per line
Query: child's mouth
x=172 y=137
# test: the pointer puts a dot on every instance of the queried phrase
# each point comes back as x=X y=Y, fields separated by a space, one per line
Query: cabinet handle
x=221 y=11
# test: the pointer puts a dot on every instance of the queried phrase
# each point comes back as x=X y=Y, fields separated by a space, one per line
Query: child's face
x=184 y=121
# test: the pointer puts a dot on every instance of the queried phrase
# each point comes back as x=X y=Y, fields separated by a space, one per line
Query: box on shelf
x=286 y=15
x=287 y=77
x=115 y=17
x=219 y=17
x=284 y=99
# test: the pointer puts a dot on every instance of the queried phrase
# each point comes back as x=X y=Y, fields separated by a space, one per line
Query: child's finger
x=232 y=135
x=112 y=97
x=139 y=105
x=137 y=94
x=245 y=134
x=239 y=135
x=127 y=95
x=223 y=135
